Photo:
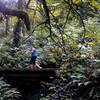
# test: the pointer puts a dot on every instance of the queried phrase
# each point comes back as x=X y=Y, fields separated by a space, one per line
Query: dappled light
x=49 y=50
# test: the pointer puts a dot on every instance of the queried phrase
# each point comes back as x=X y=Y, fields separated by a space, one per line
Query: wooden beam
x=39 y=74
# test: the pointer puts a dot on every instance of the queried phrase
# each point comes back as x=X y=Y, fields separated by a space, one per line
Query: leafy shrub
x=8 y=93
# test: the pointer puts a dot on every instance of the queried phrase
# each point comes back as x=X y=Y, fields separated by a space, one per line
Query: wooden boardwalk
x=44 y=74
x=29 y=82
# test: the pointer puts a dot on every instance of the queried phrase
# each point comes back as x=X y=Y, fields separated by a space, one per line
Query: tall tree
x=17 y=29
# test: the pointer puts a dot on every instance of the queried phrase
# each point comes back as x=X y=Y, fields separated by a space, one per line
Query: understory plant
x=8 y=93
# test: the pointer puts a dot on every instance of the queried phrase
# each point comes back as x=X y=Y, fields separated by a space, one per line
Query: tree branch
x=47 y=15
x=20 y=14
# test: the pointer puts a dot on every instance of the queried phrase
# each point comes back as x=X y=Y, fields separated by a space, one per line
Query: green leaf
x=76 y=1
x=50 y=2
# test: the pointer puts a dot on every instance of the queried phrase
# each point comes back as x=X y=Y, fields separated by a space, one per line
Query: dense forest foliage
x=67 y=37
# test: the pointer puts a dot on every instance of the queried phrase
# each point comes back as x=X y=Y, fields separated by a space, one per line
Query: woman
x=33 y=55
x=33 y=65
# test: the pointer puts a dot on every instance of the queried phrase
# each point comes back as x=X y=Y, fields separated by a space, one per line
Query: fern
x=8 y=93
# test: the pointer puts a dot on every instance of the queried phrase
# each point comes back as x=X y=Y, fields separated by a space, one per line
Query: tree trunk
x=7 y=25
x=17 y=29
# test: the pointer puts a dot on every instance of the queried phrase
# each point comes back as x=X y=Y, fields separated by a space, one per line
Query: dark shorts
x=33 y=59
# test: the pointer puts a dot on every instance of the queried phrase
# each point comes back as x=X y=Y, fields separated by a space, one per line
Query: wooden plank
x=27 y=78
x=39 y=74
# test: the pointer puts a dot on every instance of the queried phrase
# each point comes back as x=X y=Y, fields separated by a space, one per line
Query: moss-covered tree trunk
x=7 y=25
x=17 y=29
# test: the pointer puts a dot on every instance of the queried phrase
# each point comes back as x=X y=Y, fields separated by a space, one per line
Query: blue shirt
x=34 y=52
